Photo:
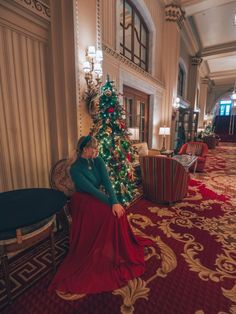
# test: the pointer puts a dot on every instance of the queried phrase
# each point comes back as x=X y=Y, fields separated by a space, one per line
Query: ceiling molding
x=223 y=87
x=217 y=51
x=223 y=75
x=192 y=7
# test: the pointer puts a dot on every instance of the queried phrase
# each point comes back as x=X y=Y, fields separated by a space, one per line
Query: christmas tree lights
x=114 y=144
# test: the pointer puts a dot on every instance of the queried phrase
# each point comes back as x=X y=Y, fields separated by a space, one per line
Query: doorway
x=137 y=111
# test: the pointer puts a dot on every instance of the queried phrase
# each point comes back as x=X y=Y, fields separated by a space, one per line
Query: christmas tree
x=114 y=144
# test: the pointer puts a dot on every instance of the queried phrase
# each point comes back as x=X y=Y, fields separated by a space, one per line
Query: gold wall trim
x=129 y=63
x=98 y=24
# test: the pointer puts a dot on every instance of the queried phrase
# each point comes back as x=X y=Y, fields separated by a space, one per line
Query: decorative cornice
x=37 y=6
x=196 y=60
x=174 y=13
x=129 y=63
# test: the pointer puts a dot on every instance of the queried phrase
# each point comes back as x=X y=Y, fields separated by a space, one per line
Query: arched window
x=134 y=39
x=181 y=80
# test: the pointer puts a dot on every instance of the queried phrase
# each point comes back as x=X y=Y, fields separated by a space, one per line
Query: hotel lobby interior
x=154 y=82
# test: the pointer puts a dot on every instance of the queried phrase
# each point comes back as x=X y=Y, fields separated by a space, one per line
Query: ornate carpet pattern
x=30 y=266
x=191 y=269
x=220 y=171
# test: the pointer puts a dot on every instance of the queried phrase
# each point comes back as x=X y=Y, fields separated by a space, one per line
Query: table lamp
x=134 y=134
x=164 y=131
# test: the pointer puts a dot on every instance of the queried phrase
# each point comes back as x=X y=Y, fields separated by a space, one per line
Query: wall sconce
x=134 y=134
x=177 y=102
x=233 y=96
x=164 y=131
x=93 y=75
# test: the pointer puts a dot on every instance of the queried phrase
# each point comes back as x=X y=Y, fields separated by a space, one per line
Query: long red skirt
x=103 y=254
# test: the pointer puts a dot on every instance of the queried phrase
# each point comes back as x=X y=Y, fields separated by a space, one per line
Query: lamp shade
x=164 y=131
x=99 y=56
x=134 y=134
x=97 y=68
x=86 y=66
x=91 y=51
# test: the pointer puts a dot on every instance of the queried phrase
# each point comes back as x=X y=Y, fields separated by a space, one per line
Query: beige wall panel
x=86 y=36
x=184 y=54
x=5 y=159
x=11 y=106
x=63 y=105
x=39 y=114
x=24 y=135
x=185 y=60
x=111 y=68
x=108 y=11
x=157 y=13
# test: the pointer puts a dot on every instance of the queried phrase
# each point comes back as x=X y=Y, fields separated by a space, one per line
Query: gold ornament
x=108 y=93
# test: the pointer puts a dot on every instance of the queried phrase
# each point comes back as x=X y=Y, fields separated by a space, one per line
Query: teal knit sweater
x=89 y=175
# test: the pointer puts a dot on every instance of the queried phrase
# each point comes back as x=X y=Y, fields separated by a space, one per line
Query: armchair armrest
x=153 y=152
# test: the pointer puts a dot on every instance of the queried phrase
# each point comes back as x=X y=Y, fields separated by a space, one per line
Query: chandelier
x=93 y=76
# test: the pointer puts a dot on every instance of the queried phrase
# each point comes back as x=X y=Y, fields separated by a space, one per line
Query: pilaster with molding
x=193 y=80
x=174 y=17
x=203 y=100
x=63 y=79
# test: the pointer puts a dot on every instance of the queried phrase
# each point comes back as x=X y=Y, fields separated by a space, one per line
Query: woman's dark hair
x=85 y=141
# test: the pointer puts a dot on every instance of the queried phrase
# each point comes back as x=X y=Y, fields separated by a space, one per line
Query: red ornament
x=130 y=177
x=128 y=156
x=111 y=110
x=122 y=125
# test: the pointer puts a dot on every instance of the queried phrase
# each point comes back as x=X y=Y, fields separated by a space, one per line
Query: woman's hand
x=118 y=210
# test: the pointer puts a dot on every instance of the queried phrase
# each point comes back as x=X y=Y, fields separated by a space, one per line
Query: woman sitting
x=103 y=253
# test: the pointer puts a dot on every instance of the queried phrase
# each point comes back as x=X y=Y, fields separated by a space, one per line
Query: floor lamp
x=164 y=131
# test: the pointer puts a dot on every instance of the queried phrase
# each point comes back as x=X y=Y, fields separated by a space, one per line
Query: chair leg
x=53 y=251
x=58 y=225
x=64 y=219
x=5 y=266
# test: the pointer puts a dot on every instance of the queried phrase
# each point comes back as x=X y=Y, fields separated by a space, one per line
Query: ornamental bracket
x=174 y=13
x=196 y=60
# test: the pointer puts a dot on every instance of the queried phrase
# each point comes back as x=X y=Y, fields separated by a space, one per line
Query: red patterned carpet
x=191 y=269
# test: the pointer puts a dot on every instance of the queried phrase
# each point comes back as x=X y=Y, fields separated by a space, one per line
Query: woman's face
x=91 y=152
